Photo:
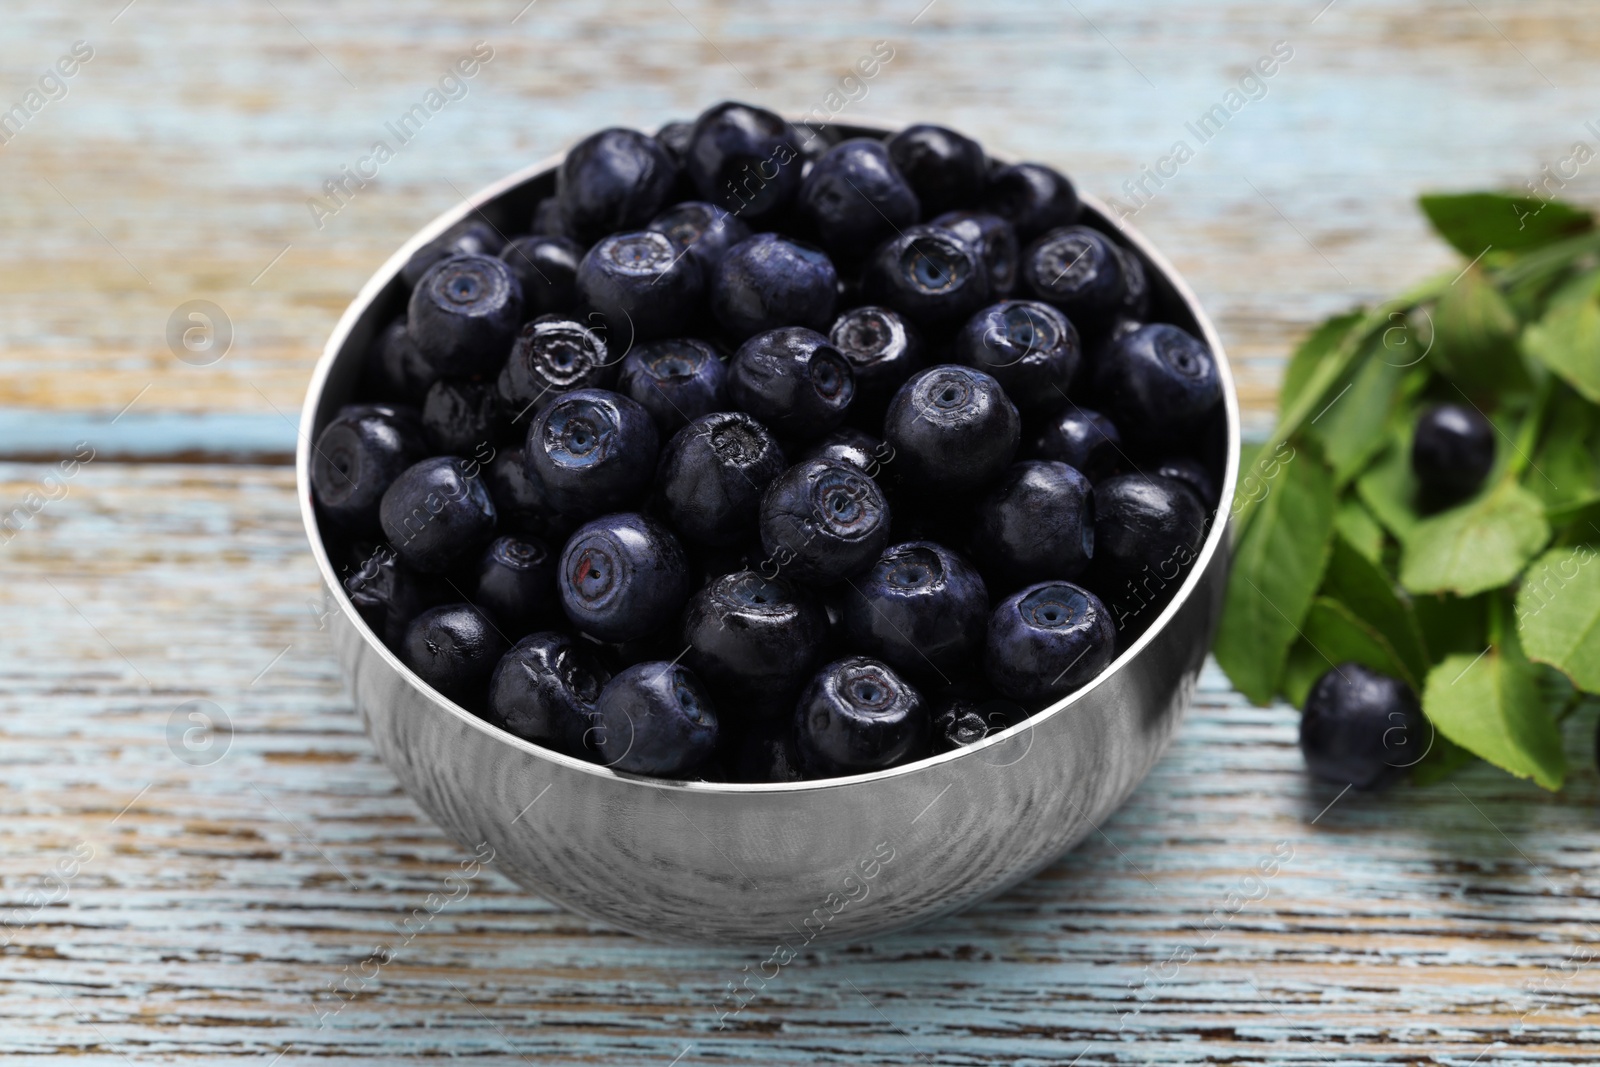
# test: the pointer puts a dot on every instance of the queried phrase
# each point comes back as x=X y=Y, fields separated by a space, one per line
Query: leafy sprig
x=1490 y=609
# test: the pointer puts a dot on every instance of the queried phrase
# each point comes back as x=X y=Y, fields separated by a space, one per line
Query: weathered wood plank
x=219 y=906
x=180 y=162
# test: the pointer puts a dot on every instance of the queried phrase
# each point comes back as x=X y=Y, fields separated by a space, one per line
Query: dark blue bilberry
x=462 y=415
x=1028 y=347
x=613 y=180
x=850 y=446
x=437 y=513
x=883 y=351
x=1362 y=728
x=755 y=639
x=676 y=381
x=793 y=380
x=469 y=237
x=593 y=450
x=766 y=752
x=770 y=281
x=744 y=159
x=522 y=504
x=951 y=427
x=547 y=269
x=1158 y=383
x=854 y=197
x=945 y=169
x=358 y=456
x=1083 y=439
x=1037 y=523
x=622 y=577
x=1190 y=472
x=1080 y=271
x=641 y=283
x=704 y=229
x=1147 y=531
x=395 y=368
x=995 y=241
x=1047 y=640
x=712 y=475
x=544 y=690
x=1452 y=452
x=857 y=715
x=655 y=718
x=1032 y=197
x=516 y=585
x=930 y=275
x=921 y=609
x=453 y=648
x=822 y=521
x=389 y=594
x=551 y=356
x=464 y=314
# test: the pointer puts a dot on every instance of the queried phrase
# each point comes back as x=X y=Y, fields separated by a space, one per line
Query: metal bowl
x=791 y=864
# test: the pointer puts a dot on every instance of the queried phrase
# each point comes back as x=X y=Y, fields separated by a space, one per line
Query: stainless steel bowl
x=772 y=865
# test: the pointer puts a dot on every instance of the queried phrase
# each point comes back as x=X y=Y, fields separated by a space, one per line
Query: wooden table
x=195 y=896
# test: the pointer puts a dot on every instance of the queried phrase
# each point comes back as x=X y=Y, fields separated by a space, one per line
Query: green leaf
x=1390 y=489
x=1443 y=758
x=1357 y=526
x=1479 y=545
x=1352 y=427
x=1339 y=636
x=1491 y=707
x=1567 y=340
x=1475 y=337
x=1452 y=624
x=1366 y=590
x=1277 y=566
x=1472 y=222
x=1558 y=614
x=1565 y=472
x=1300 y=672
x=1318 y=346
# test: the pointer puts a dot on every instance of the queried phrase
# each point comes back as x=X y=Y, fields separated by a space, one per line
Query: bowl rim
x=1216 y=537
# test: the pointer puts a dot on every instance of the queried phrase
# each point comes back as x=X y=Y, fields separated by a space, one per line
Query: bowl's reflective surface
x=839 y=860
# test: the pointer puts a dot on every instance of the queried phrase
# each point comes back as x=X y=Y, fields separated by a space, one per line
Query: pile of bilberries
x=769 y=457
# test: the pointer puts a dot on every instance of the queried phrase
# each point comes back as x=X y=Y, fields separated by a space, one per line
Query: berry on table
x=1361 y=728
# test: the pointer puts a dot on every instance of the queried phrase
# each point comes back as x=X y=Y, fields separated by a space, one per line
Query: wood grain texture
x=180 y=162
x=222 y=903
